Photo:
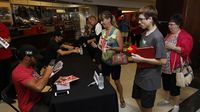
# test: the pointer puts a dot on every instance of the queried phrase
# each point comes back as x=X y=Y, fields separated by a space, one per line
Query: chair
x=6 y=98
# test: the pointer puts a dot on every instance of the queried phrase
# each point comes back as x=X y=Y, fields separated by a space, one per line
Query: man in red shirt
x=5 y=58
x=28 y=83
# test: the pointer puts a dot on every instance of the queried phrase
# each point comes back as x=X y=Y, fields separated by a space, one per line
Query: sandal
x=122 y=104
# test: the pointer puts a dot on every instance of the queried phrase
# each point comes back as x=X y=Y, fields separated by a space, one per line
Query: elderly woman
x=112 y=36
x=178 y=44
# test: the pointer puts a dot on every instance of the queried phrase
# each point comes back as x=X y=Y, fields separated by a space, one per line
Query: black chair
x=6 y=98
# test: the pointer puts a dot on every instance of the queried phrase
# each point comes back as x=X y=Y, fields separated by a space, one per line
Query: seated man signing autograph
x=56 y=48
x=28 y=83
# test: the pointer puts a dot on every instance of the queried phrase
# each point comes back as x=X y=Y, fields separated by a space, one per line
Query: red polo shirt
x=4 y=33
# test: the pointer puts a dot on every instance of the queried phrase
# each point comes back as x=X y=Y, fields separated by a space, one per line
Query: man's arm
x=137 y=58
x=39 y=84
x=63 y=52
x=66 y=46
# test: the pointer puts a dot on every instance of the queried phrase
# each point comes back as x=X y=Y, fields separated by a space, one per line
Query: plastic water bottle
x=101 y=81
x=81 y=50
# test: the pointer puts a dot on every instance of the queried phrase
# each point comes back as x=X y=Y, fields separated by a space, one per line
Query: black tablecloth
x=83 y=98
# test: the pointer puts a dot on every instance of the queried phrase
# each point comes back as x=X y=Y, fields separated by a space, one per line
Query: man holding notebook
x=148 y=78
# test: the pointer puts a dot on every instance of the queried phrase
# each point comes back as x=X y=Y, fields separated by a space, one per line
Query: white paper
x=58 y=66
x=3 y=43
x=63 y=87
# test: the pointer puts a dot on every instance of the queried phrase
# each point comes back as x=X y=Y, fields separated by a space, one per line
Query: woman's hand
x=169 y=46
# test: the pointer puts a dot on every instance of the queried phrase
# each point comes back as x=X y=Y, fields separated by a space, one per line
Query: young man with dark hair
x=28 y=83
x=148 y=80
x=56 y=48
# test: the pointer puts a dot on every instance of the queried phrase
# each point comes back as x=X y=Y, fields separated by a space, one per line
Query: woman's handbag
x=107 y=56
x=184 y=74
x=119 y=58
x=111 y=58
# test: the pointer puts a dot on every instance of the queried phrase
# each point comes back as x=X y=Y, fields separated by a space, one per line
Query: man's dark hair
x=57 y=33
x=149 y=11
x=28 y=50
x=177 y=18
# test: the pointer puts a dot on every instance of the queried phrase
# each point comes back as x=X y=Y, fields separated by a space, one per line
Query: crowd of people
x=103 y=36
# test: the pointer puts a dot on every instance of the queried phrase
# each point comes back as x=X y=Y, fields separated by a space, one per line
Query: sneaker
x=163 y=103
x=175 y=108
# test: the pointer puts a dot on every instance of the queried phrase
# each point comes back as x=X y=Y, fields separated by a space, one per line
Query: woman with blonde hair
x=112 y=36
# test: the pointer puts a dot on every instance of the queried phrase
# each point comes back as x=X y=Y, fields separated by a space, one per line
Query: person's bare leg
x=139 y=104
x=176 y=103
x=120 y=91
x=99 y=66
x=176 y=99
x=167 y=95
x=167 y=98
x=108 y=78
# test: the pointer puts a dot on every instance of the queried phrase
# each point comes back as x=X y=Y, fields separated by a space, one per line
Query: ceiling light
x=60 y=11
x=127 y=11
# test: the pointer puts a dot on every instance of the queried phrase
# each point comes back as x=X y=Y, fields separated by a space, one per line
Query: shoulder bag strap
x=182 y=63
x=174 y=62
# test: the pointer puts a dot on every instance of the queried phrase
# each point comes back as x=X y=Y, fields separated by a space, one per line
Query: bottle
x=81 y=50
x=101 y=81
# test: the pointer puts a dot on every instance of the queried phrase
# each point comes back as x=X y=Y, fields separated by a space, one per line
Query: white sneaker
x=163 y=103
x=175 y=108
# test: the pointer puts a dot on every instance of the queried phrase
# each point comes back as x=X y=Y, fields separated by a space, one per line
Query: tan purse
x=184 y=74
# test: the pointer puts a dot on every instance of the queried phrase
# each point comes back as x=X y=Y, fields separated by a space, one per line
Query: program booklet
x=66 y=79
x=147 y=52
x=63 y=82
